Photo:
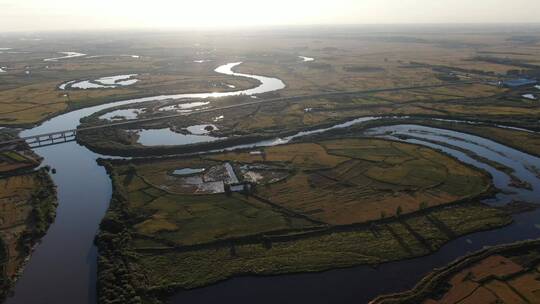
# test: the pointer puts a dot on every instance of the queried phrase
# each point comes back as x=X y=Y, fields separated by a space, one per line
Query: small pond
x=167 y=137
x=187 y=171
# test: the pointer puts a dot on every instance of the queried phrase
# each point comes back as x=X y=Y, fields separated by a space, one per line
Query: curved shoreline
x=73 y=118
x=359 y=122
x=427 y=285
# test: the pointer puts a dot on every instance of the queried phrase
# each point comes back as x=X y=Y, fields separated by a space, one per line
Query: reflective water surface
x=167 y=137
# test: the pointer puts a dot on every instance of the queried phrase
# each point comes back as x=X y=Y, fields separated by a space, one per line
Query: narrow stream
x=63 y=267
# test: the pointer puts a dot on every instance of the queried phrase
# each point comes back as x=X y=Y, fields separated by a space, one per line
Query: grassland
x=503 y=274
x=27 y=207
x=350 y=181
x=29 y=90
x=466 y=101
x=17 y=160
x=28 y=104
x=344 y=61
x=154 y=193
x=397 y=201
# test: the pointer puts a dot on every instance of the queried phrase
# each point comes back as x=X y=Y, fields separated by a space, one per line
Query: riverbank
x=506 y=272
x=118 y=142
x=28 y=207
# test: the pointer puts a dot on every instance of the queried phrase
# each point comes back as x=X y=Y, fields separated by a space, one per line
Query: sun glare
x=217 y=14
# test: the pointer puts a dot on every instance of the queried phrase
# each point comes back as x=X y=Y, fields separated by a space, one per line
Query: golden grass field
x=508 y=277
x=359 y=180
x=31 y=103
x=339 y=182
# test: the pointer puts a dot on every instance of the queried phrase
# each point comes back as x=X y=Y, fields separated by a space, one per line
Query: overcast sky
x=35 y=15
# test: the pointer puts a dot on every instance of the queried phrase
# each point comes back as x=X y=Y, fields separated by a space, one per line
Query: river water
x=62 y=269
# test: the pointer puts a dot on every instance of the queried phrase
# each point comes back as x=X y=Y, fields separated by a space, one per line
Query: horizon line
x=267 y=27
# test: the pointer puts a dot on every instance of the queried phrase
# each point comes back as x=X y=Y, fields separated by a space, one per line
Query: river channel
x=62 y=268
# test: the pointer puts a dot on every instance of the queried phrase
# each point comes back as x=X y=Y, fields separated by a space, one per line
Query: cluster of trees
x=44 y=205
x=115 y=280
x=5 y=282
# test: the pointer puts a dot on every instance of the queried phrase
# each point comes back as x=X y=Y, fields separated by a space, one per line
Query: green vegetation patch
x=187 y=220
x=395 y=240
x=193 y=219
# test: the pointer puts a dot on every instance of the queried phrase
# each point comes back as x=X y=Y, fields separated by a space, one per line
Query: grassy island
x=358 y=201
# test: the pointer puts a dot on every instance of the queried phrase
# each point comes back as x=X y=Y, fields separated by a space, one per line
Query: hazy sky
x=32 y=15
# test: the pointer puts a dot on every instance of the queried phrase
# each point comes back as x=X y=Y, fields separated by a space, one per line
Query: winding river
x=63 y=267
